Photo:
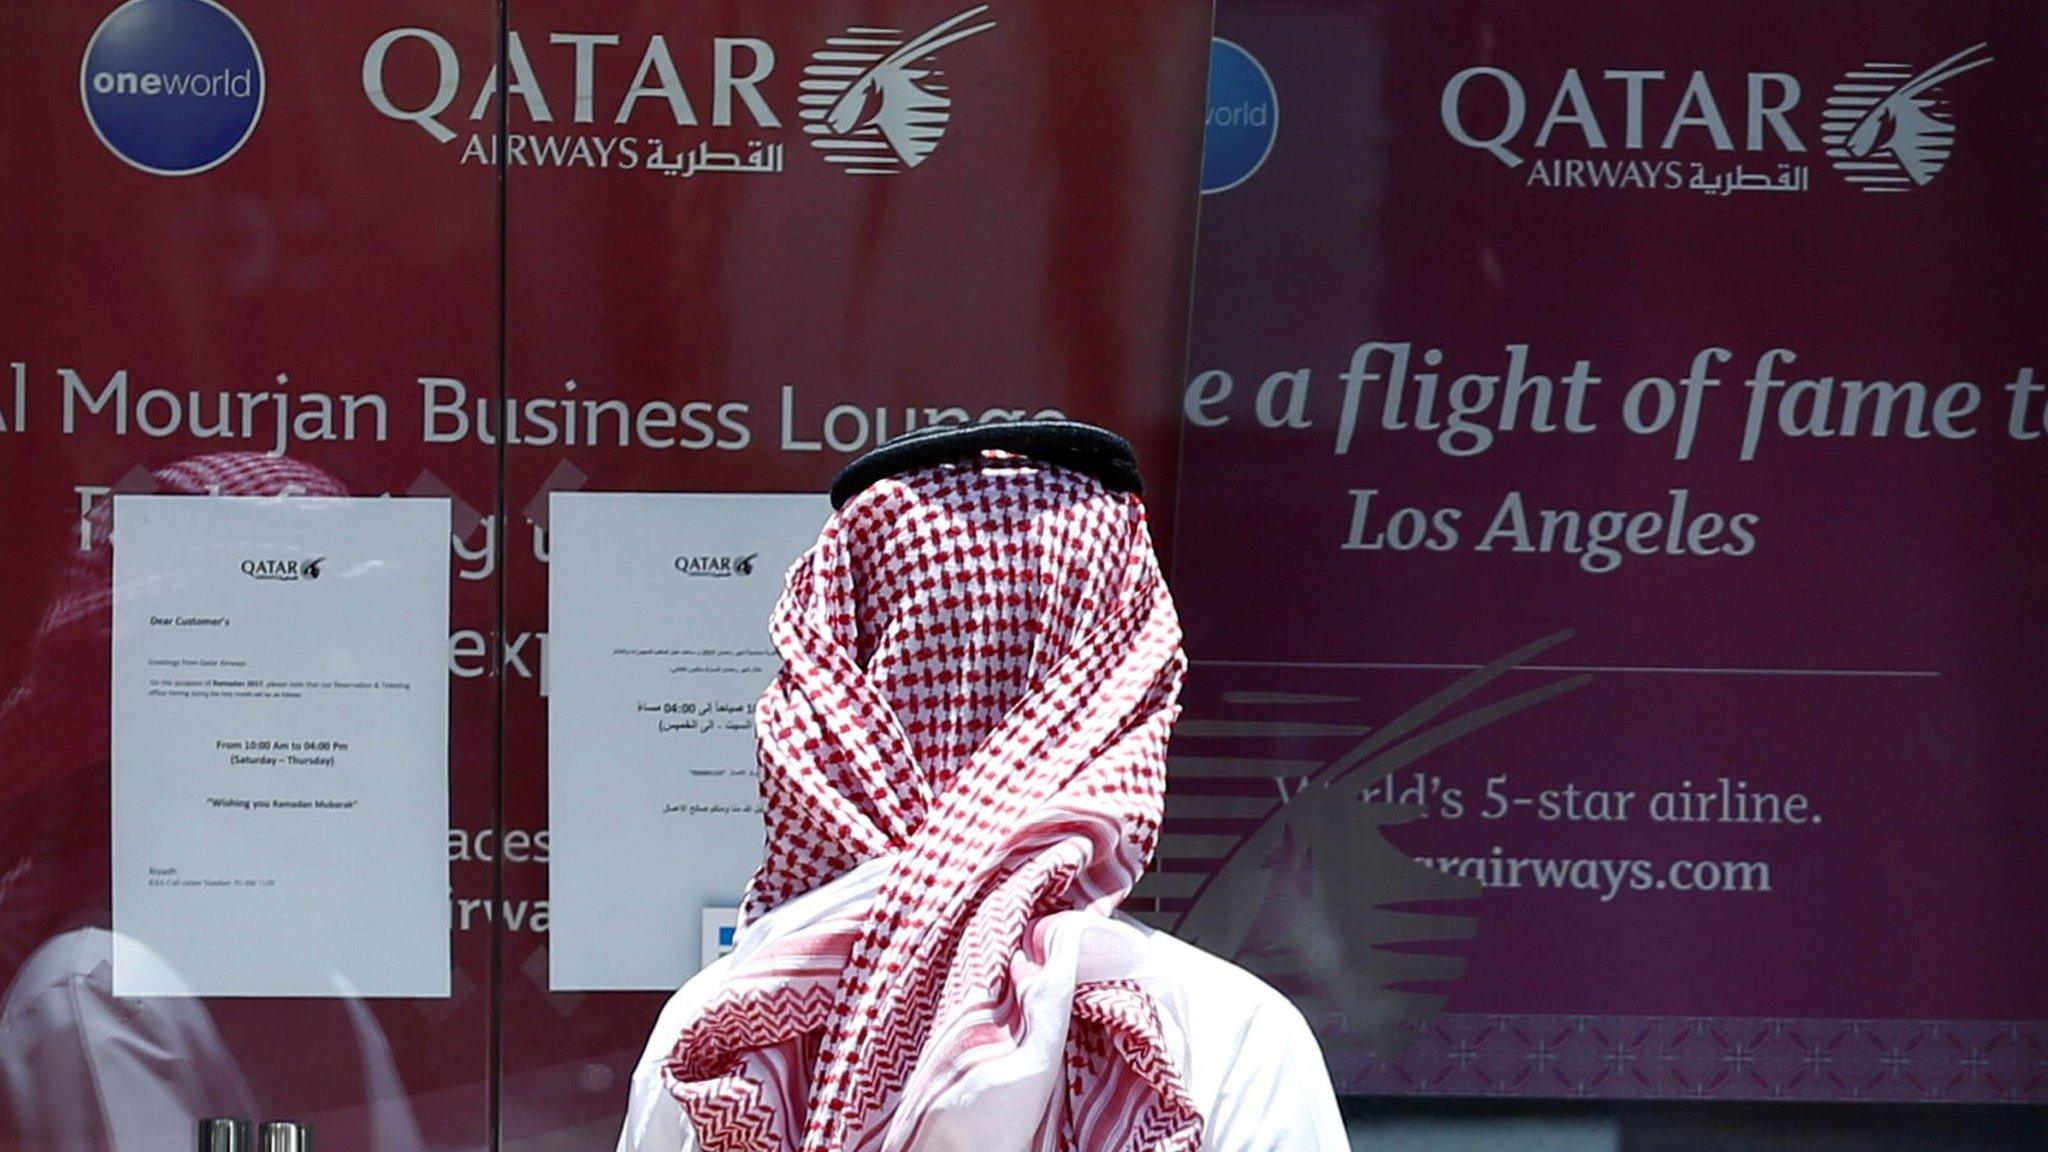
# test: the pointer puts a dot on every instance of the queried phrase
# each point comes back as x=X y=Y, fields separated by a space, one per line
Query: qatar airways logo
x=717 y=567
x=279 y=568
x=1885 y=126
x=873 y=100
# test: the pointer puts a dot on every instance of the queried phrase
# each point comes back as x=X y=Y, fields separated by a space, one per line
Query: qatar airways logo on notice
x=717 y=567
x=874 y=99
x=1884 y=126
x=282 y=569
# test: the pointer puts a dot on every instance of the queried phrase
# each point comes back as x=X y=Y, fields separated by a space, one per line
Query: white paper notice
x=657 y=650
x=280 y=744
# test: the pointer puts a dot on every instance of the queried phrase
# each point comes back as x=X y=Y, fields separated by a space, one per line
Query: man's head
x=994 y=624
x=971 y=583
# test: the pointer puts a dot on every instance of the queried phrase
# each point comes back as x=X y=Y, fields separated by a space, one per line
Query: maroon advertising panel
x=220 y=279
x=772 y=236
x=414 y=250
x=744 y=243
x=1611 y=538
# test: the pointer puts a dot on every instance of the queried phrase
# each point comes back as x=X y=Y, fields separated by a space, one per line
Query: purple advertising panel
x=1612 y=545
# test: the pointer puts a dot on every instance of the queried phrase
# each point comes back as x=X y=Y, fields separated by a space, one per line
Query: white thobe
x=1246 y=1057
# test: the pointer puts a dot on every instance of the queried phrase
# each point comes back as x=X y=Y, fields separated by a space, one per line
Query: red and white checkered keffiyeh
x=981 y=664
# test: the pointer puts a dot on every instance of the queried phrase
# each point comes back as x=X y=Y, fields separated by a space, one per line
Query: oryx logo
x=1887 y=127
x=873 y=99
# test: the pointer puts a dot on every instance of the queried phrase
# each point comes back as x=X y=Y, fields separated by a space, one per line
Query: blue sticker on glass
x=173 y=87
x=1244 y=117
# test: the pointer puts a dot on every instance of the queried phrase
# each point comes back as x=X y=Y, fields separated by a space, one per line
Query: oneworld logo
x=1243 y=119
x=717 y=567
x=273 y=568
x=172 y=87
x=875 y=100
x=1885 y=127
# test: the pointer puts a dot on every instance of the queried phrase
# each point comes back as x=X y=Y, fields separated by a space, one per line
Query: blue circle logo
x=1244 y=117
x=173 y=87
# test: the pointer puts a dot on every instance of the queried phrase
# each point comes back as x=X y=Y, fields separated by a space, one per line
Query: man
x=963 y=766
